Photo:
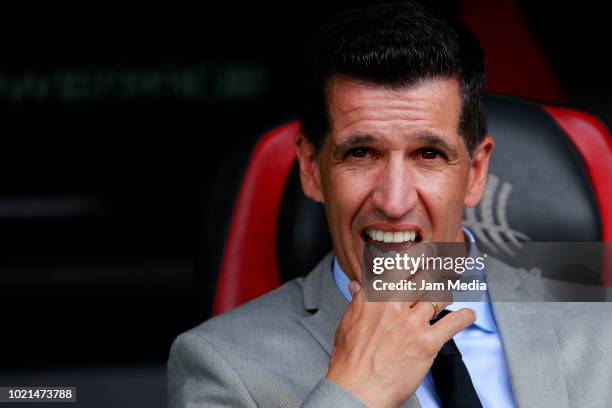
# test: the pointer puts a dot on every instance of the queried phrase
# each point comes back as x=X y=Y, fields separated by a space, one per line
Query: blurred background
x=113 y=121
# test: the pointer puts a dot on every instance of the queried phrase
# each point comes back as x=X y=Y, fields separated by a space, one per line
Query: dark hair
x=395 y=45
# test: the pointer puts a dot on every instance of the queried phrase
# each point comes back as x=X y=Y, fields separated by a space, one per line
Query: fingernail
x=353 y=287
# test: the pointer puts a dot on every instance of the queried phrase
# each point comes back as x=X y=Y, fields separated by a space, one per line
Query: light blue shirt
x=480 y=345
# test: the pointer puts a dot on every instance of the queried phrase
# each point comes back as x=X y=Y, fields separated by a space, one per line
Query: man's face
x=394 y=166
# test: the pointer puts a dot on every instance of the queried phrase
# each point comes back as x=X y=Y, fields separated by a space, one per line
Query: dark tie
x=453 y=382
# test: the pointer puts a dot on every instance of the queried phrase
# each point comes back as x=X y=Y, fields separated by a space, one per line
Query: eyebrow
x=353 y=141
x=430 y=139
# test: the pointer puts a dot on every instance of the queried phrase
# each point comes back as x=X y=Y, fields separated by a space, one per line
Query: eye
x=430 y=154
x=359 y=152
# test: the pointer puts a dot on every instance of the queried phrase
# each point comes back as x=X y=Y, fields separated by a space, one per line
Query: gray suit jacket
x=274 y=351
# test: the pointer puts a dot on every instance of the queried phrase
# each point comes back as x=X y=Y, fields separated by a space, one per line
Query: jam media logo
x=492 y=229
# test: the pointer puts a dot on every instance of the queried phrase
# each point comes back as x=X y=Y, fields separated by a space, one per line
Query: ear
x=477 y=177
x=310 y=174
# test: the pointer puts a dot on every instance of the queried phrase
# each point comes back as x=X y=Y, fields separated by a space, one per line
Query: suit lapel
x=531 y=346
x=323 y=298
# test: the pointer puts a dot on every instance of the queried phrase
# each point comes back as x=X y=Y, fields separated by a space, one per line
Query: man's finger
x=453 y=323
x=354 y=287
x=354 y=309
x=426 y=289
x=426 y=309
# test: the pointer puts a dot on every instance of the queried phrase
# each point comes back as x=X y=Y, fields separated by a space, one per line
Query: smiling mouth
x=398 y=237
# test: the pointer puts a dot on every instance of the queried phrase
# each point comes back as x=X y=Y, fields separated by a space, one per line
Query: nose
x=395 y=193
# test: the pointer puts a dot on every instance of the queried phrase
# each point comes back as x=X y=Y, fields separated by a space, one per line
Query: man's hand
x=383 y=350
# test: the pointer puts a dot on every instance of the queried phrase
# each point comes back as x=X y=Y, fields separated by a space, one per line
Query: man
x=393 y=144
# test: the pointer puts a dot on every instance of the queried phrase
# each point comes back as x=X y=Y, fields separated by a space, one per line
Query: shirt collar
x=484 y=315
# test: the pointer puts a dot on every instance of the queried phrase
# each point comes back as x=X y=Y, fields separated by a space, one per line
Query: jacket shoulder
x=275 y=313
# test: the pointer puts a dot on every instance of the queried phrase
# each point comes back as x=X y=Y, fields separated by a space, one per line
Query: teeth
x=387 y=236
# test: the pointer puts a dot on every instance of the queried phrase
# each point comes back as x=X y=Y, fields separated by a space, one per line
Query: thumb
x=354 y=287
